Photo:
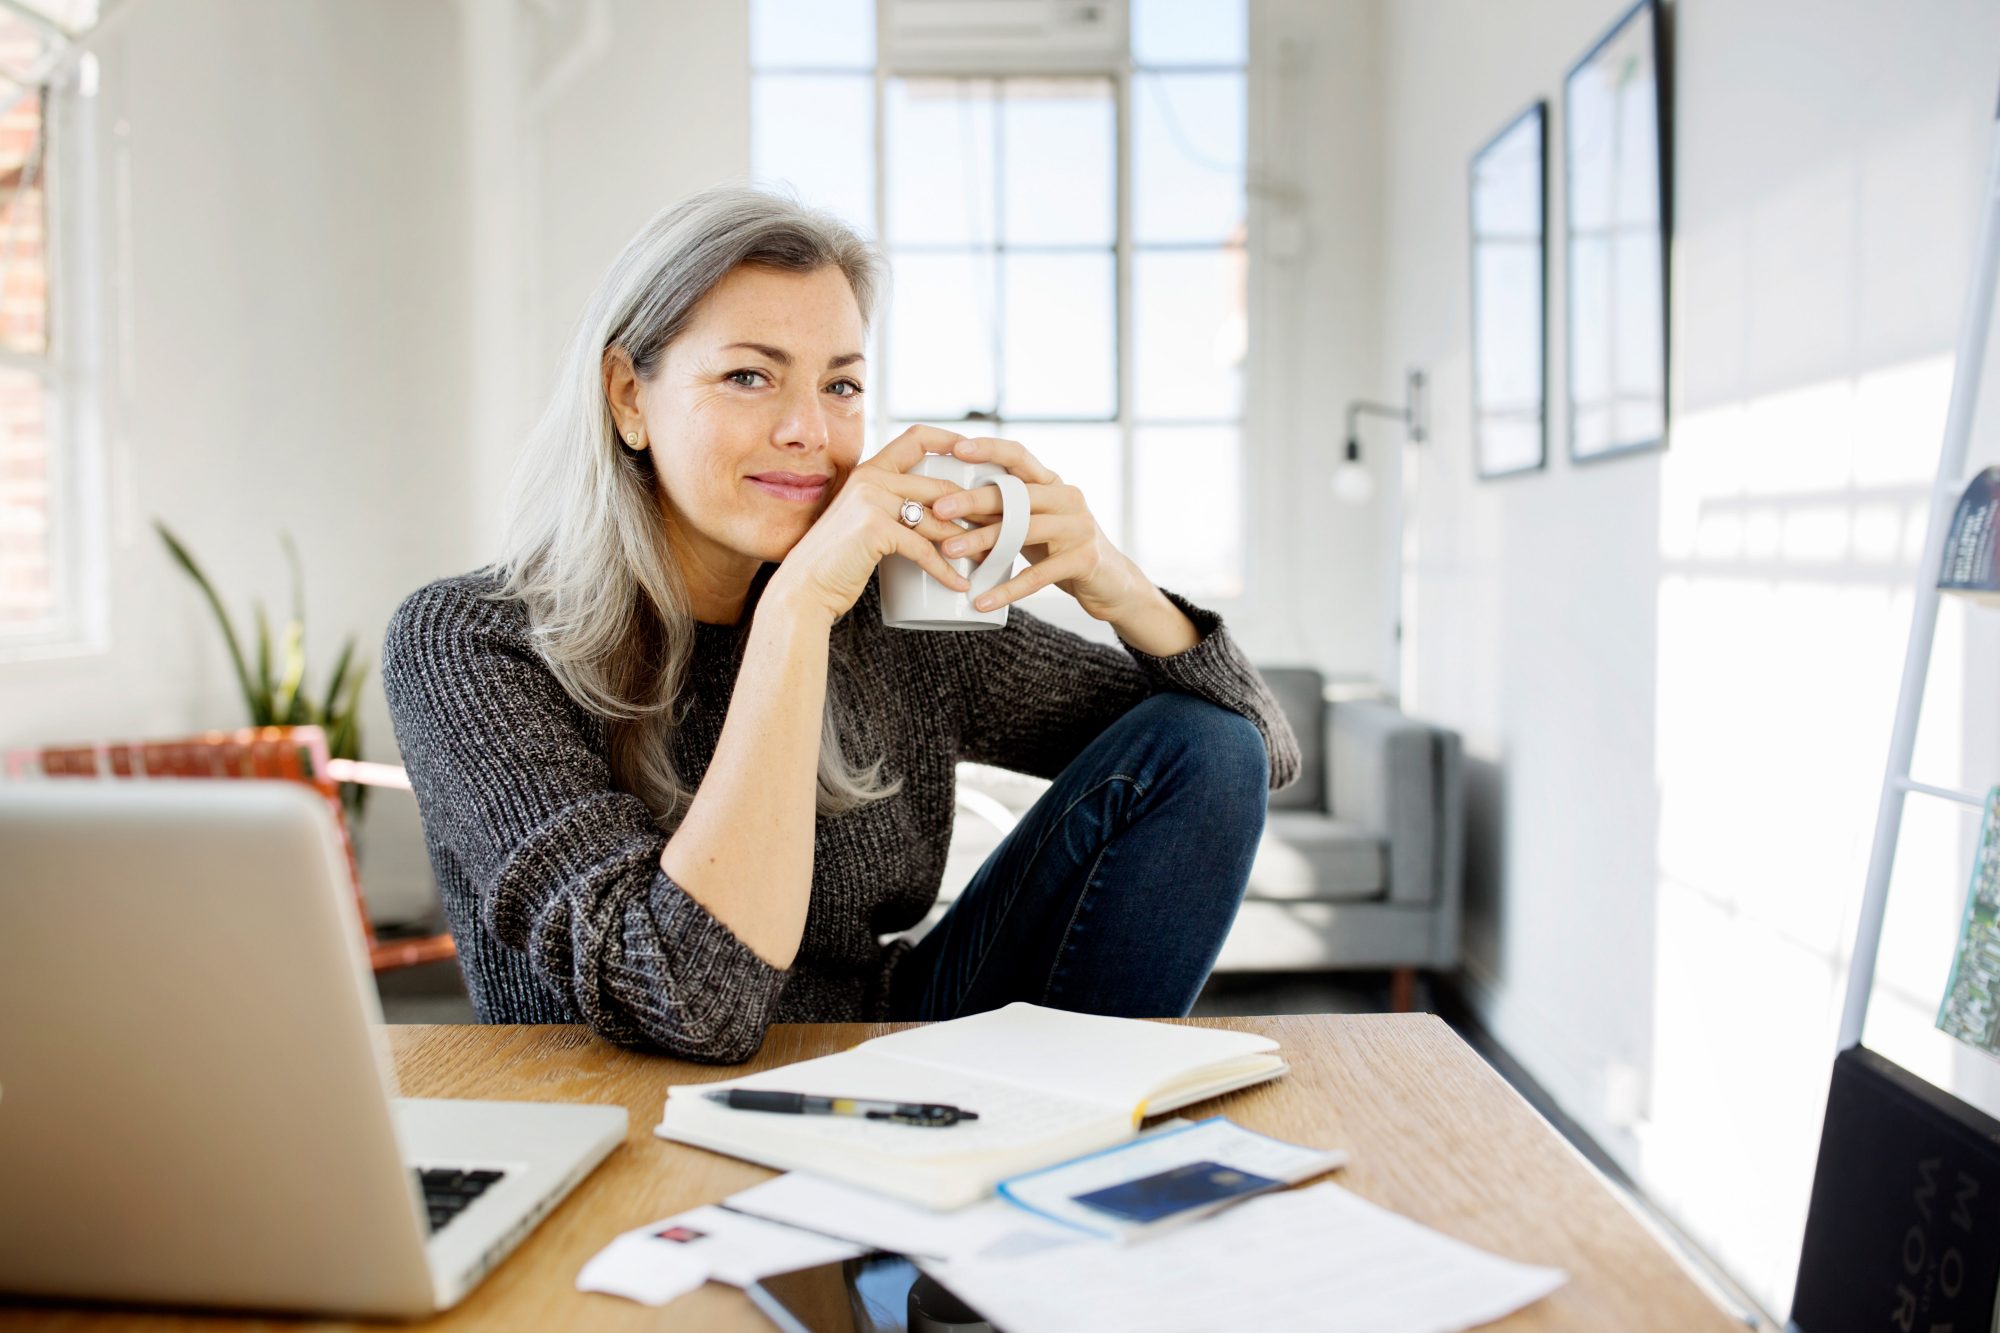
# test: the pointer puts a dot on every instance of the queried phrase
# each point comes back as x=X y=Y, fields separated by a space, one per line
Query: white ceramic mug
x=912 y=599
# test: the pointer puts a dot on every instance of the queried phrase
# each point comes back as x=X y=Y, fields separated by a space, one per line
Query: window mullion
x=884 y=316
x=1122 y=318
x=998 y=250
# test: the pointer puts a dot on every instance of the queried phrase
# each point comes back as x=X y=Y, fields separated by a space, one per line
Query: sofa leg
x=1403 y=989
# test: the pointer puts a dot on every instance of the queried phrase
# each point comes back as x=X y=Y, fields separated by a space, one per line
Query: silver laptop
x=195 y=1102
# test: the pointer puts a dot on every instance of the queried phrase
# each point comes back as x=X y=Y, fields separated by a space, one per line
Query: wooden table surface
x=1434 y=1134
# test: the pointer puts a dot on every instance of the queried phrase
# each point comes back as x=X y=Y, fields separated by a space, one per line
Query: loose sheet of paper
x=1315 y=1258
x=1051 y=1192
x=661 y=1260
x=876 y=1220
x=642 y=1269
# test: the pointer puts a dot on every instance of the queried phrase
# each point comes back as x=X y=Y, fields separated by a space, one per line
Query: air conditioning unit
x=1002 y=36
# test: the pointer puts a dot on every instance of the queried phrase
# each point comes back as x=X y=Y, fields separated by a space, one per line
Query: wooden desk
x=1435 y=1134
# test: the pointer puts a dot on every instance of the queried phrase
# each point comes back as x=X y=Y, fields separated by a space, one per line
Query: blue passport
x=1191 y=1185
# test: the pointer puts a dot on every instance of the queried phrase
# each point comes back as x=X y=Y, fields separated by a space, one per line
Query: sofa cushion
x=1300 y=692
x=1314 y=858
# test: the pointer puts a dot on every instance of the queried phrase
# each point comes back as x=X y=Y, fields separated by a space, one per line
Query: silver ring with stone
x=913 y=513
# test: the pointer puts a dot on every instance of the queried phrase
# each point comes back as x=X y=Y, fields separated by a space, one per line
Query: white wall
x=1675 y=672
x=282 y=207
x=1316 y=592
x=583 y=122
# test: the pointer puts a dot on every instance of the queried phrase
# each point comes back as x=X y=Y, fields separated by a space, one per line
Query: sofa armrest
x=1401 y=778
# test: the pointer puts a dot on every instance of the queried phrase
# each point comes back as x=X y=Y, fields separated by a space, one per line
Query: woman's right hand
x=829 y=567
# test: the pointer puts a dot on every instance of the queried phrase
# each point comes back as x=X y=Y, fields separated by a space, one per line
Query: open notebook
x=1048 y=1085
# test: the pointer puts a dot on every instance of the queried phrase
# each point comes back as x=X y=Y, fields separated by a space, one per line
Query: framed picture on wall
x=1509 y=189
x=1616 y=191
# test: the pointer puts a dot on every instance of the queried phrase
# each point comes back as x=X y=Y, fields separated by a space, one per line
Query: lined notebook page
x=1116 y=1062
x=1011 y=1116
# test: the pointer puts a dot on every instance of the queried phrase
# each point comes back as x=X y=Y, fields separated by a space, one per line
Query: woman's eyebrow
x=784 y=358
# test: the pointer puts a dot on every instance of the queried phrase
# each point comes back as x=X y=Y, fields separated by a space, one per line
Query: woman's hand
x=1064 y=545
x=831 y=564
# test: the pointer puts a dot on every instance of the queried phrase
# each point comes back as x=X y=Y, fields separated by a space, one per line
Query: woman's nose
x=805 y=421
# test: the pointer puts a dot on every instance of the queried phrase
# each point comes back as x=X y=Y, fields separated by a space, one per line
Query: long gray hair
x=586 y=538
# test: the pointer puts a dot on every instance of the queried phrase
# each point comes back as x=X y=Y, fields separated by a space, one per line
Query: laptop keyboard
x=447 y=1191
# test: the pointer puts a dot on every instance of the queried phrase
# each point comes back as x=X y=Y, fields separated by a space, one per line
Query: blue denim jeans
x=1115 y=891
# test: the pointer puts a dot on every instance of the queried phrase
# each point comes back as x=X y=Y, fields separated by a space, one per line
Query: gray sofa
x=1360 y=866
x=1362 y=859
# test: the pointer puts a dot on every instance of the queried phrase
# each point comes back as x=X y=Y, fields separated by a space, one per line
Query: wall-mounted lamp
x=1352 y=481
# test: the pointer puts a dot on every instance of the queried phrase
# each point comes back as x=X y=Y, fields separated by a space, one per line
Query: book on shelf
x=1970 y=1010
x=1047 y=1086
x=1899 y=1234
x=1971 y=568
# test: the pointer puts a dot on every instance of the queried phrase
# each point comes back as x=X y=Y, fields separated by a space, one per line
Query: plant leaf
x=285 y=699
x=186 y=561
x=298 y=578
x=295 y=713
x=261 y=714
x=333 y=688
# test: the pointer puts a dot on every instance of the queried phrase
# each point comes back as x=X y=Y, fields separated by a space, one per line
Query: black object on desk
x=931 y=1114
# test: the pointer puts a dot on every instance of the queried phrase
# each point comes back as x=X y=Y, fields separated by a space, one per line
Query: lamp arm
x=1411 y=414
x=1356 y=409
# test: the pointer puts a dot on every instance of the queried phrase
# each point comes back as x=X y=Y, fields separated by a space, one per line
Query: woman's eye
x=733 y=377
x=850 y=384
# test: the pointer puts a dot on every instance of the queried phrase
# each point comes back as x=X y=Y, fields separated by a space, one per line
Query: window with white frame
x=44 y=549
x=1068 y=250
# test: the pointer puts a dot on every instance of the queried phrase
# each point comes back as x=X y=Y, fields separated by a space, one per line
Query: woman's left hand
x=1064 y=545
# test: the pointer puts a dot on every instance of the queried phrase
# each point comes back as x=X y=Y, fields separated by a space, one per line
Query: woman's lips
x=791 y=489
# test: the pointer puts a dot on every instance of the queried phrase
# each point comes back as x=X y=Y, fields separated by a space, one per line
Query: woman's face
x=754 y=417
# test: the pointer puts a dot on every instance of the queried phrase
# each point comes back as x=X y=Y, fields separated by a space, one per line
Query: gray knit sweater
x=550 y=877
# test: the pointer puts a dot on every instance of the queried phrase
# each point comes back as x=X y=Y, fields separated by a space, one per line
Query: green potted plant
x=275 y=692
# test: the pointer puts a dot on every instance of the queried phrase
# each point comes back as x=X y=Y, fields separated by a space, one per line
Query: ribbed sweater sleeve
x=1035 y=694
x=565 y=868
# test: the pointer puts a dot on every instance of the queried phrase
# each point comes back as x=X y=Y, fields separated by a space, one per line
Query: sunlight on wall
x=1790 y=528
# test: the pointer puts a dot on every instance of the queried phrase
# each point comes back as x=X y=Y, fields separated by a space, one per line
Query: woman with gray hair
x=677 y=778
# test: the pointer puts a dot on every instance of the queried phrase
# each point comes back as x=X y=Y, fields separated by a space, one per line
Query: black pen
x=801 y=1103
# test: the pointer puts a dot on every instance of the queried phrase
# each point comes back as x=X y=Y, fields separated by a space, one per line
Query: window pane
x=1085 y=457
x=27 y=509
x=1057 y=336
x=24 y=286
x=1190 y=32
x=1188 y=150
x=816 y=133
x=812 y=34
x=1187 y=508
x=1189 y=323
x=941 y=337
x=940 y=161
x=1059 y=162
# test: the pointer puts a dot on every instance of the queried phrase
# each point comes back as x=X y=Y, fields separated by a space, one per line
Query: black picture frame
x=1617 y=235
x=1507 y=209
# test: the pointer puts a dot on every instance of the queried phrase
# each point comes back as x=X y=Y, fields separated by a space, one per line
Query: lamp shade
x=1352 y=481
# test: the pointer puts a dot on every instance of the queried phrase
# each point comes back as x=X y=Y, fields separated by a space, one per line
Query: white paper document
x=985 y=1229
x=1316 y=1258
x=1051 y=1192
x=661 y=1260
x=641 y=1269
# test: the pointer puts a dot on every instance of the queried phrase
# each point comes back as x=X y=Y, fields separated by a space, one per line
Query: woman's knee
x=1213 y=748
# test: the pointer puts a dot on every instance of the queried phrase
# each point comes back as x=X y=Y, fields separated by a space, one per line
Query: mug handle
x=999 y=562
